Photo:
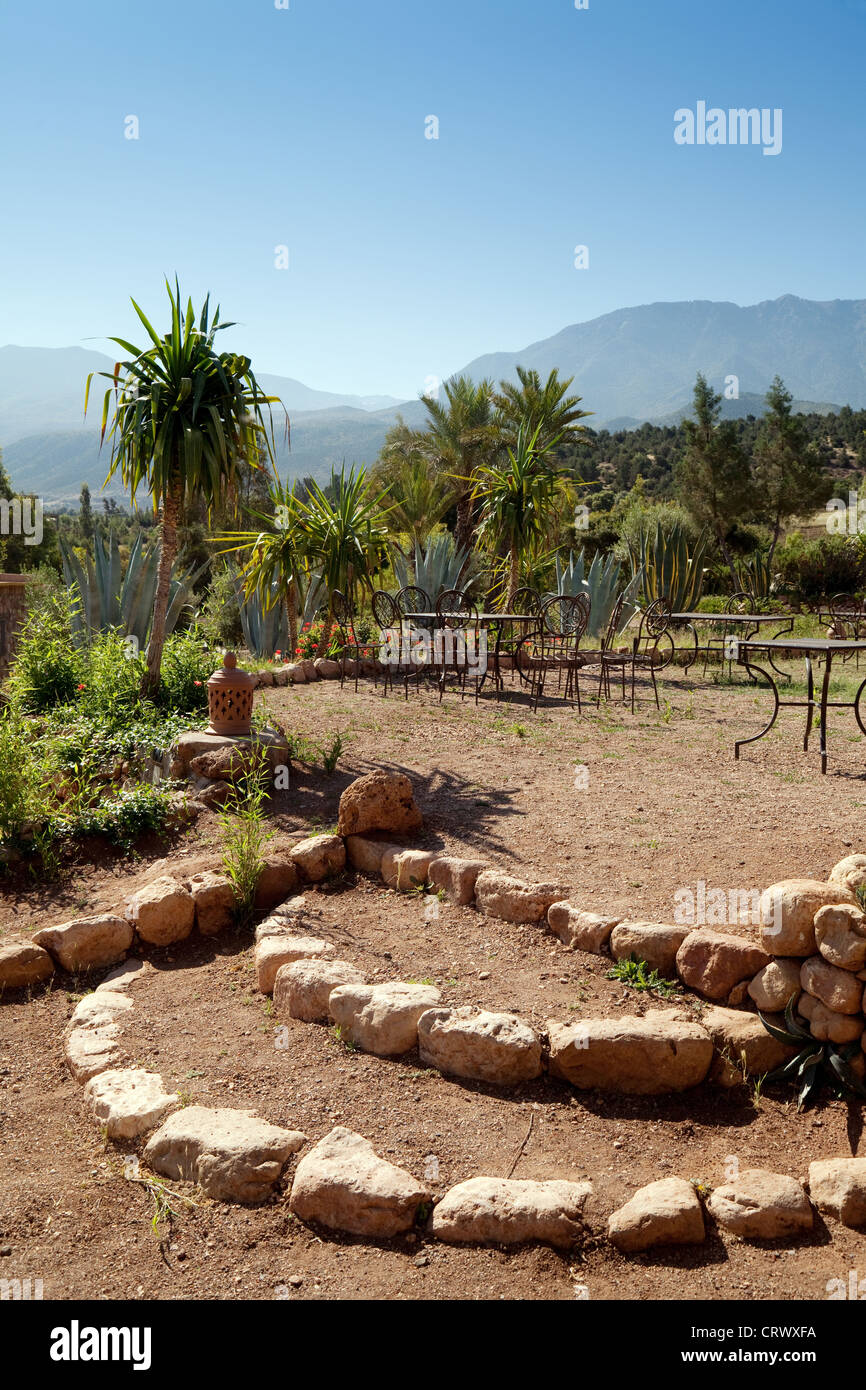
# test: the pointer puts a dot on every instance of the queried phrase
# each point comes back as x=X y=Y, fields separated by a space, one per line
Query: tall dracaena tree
x=346 y=532
x=185 y=416
x=275 y=555
x=516 y=500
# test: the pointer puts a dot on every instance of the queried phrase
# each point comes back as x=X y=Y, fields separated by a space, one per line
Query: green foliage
x=712 y=478
x=111 y=598
x=667 y=569
x=245 y=836
x=823 y=567
x=187 y=665
x=332 y=753
x=437 y=565
x=815 y=1063
x=602 y=583
x=48 y=669
x=637 y=975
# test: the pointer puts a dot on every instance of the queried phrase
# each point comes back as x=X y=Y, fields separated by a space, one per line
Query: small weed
x=637 y=975
x=339 y=1037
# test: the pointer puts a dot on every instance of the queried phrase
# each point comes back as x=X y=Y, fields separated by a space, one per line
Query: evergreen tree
x=712 y=478
x=789 y=478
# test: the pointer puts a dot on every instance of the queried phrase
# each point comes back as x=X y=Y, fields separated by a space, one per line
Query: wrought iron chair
x=527 y=600
x=645 y=653
x=562 y=624
x=352 y=648
x=456 y=617
x=739 y=602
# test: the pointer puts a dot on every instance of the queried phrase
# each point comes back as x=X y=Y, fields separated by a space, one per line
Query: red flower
x=194 y=683
x=81 y=687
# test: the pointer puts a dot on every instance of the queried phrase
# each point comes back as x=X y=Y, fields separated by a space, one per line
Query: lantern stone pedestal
x=220 y=755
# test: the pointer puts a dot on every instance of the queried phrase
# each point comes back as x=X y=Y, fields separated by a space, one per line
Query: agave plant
x=265 y=626
x=111 y=599
x=436 y=567
x=755 y=574
x=601 y=582
x=667 y=569
x=816 y=1062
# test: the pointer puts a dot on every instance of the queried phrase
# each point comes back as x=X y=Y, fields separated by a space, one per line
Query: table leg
x=693 y=658
x=810 y=696
x=825 y=686
x=750 y=667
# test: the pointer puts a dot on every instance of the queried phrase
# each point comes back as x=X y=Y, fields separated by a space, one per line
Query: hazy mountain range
x=629 y=366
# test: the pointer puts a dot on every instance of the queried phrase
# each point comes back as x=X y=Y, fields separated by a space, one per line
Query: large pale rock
x=506 y=1211
x=580 y=931
x=124 y=976
x=365 y=852
x=840 y=933
x=850 y=872
x=328 y=670
x=319 y=856
x=776 y=984
x=303 y=988
x=162 y=912
x=87 y=942
x=825 y=1024
x=382 y=1018
x=232 y=1154
x=234 y=761
x=214 y=900
x=129 y=1102
x=380 y=800
x=743 y=1045
x=788 y=910
x=456 y=877
x=481 y=1046
x=761 y=1206
x=289 y=917
x=343 y=1184
x=499 y=895
x=23 y=962
x=667 y=1212
x=633 y=1056
x=714 y=962
x=838 y=1186
x=405 y=869
x=273 y=952
x=90 y=1043
x=655 y=942
x=277 y=880
x=295 y=672
x=838 y=989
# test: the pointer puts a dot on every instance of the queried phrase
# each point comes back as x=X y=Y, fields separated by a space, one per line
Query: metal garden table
x=809 y=647
x=748 y=623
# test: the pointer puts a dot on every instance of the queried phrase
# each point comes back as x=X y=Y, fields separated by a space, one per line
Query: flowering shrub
x=311 y=635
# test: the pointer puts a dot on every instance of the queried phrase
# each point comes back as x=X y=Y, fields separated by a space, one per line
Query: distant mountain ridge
x=630 y=366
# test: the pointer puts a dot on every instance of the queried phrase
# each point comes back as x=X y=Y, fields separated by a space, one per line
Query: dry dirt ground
x=662 y=806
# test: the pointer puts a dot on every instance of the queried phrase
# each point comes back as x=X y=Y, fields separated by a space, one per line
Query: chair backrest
x=453 y=609
x=342 y=611
x=612 y=630
x=385 y=610
x=741 y=602
x=412 y=599
x=654 y=623
x=527 y=600
x=564 y=621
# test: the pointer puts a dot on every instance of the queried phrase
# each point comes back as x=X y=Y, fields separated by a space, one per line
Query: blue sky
x=409 y=257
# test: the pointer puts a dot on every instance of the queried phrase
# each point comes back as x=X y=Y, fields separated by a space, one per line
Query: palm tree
x=461 y=436
x=185 y=417
x=539 y=407
x=516 y=501
x=418 y=497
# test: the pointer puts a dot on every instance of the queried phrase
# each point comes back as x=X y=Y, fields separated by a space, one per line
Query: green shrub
x=112 y=684
x=48 y=669
x=823 y=567
x=187 y=664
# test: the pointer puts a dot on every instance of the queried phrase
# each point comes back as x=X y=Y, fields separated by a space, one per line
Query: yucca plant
x=601 y=582
x=667 y=569
x=516 y=502
x=123 y=601
x=185 y=417
x=436 y=566
x=816 y=1063
x=347 y=538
